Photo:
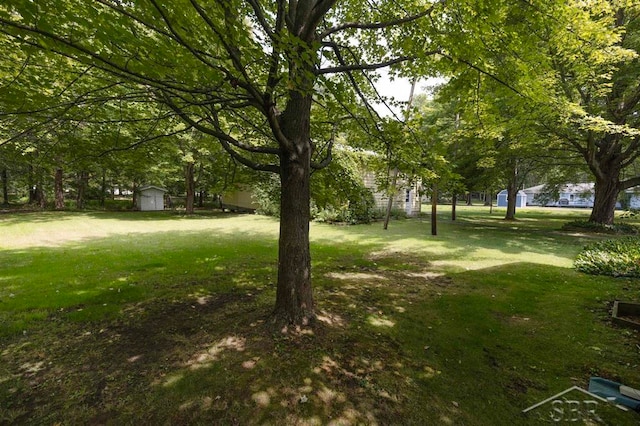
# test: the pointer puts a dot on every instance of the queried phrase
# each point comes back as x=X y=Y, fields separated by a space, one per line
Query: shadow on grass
x=392 y=346
x=101 y=274
x=39 y=216
x=463 y=239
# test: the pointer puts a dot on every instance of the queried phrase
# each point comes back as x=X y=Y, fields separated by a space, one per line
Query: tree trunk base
x=283 y=323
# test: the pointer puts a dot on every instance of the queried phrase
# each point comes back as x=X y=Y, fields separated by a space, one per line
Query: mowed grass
x=122 y=318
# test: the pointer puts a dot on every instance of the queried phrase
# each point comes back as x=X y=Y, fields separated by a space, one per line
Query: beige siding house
x=239 y=197
x=407 y=198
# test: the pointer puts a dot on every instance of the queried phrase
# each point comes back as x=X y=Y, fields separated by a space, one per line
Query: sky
x=400 y=90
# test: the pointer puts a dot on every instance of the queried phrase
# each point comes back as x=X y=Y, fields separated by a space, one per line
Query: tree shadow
x=391 y=346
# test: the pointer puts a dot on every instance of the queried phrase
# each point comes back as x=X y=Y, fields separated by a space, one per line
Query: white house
x=569 y=195
x=150 y=198
x=574 y=195
x=521 y=199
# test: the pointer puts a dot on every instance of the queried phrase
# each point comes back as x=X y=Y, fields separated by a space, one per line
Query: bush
x=618 y=258
x=617 y=228
x=360 y=209
x=266 y=193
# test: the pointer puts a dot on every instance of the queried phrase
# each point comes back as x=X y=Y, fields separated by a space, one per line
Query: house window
x=407 y=194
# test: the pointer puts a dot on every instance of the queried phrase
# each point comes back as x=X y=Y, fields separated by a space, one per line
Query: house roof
x=148 y=187
x=575 y=188
x=571 y=188
x=504 y=192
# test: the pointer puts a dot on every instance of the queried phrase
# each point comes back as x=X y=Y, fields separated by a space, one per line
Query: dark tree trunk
x=5 y=187
x=294 y=297
x=83 y=182
x=605 y=196
x=491 y=203
x=512 y=191
x=454 y=201
x=434 y=210
x=40 y=196
x=469 y=201
x=391 y=194
x=135 y=196
x=190 y=183
x=59 y=190
x=103 y=188
x=201 y=197
x=32 y=185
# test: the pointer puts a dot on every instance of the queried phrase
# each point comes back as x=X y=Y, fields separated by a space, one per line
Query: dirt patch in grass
x=101 y=366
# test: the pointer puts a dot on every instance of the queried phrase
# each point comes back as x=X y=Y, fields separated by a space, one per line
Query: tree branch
x=365 y=67
x=108 y=66
x=377 y=25
x=630 y=183
x=329 y=156
x=225 y=139
x=257 y=9
x=233 y=55
x=480 y=70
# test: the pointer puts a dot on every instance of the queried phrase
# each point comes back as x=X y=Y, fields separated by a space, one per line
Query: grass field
x=135 y=318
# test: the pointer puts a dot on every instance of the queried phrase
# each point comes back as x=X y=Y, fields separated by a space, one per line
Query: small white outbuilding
x=150 y=198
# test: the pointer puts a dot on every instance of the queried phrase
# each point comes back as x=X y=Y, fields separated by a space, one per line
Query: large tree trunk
x=294 y=298
x=58 y=189
x=190 y=183
x=605 y=196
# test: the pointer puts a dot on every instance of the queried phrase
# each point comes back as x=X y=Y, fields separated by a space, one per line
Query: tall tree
x=228 y=65
x=599 y=98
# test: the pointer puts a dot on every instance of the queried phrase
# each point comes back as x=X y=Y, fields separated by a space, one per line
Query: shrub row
x=618 y=258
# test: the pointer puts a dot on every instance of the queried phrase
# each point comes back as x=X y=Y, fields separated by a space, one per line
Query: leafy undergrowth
x=616 y=228
x=618 y=258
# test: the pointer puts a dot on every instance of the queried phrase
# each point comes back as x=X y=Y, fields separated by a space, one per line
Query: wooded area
x=104 y=94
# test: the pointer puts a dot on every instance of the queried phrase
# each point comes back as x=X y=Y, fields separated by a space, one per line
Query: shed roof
x=148 y=187
x=520 y=192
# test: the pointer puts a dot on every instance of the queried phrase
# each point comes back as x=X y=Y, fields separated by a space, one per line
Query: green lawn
x=134 y=318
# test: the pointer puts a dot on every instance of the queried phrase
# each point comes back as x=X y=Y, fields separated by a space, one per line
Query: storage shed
x=521 y=198
x=150 y=198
